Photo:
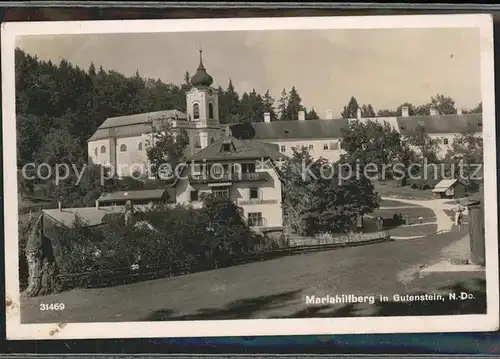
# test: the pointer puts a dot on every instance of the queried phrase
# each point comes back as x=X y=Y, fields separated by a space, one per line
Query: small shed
x=450 y=188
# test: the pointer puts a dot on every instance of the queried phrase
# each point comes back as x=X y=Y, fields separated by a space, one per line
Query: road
x=273 y=289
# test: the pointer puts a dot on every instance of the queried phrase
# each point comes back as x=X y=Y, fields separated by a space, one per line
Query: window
x=325 y=146
x=255 y=219
x=334 y=146
x=221 y=192
x=254 y=193
x=445 y=141
x=95 y=151
x=226 y=147
x=248 y=168
x=216 y=170
x=139 y=146
x=194 y=195
x=103 y=149
x=283 y=148
x=311 y=147
x=123 y=148
x=210 y=111
x=196 y=111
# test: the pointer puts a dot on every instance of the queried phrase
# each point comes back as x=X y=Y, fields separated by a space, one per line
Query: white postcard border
x=410 y=324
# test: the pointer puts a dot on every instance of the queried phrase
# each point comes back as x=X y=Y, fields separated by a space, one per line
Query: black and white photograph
x=270 y=176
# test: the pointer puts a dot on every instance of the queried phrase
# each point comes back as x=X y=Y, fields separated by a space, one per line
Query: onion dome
x=201 y=77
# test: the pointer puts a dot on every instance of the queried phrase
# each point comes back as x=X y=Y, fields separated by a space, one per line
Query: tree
x=427 y=148
x=445 y=104
x=282 y=105
x=370 y=142
x=312 y=115
x=465 y=154
x=293 y=106
x=367 y=111
x=477 y=109
x=229 y=104
x=166 y=149
x=351 y=109
x=268 y=104
x=316 y=200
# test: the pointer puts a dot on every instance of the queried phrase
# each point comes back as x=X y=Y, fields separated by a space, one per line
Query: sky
x=381 y=67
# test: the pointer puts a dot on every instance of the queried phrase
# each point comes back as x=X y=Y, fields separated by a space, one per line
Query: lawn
x=391 y=203
x=411 y=231
x=392 y=189
x=411 y=212
x=270 y=289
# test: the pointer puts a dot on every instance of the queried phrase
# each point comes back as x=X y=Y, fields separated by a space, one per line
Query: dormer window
x=226 y=147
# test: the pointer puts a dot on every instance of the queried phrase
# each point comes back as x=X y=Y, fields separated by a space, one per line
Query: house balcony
x=229 y=177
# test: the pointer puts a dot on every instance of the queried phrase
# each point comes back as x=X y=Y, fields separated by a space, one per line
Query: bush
x=174 y=241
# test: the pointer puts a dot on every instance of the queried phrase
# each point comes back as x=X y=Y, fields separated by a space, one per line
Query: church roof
x=309 y=129
x=201 y=77
x=133 y=125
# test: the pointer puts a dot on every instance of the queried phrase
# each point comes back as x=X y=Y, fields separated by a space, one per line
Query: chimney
x=97 y=204
x=328 y=115
x=228 y=131
x=59 y=206
x=302 y=115
x=267 y=117
x=433 y=111
x=358 y=113
x=459 y=111
x=405 y=111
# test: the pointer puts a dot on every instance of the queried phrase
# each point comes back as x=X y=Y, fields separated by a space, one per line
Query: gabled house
x=244 y=171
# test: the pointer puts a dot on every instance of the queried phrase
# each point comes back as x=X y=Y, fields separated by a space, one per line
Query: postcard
x=250 y=176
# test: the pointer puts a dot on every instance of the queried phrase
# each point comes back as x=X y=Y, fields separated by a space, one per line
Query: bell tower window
x=196 y=111
x=211 y=111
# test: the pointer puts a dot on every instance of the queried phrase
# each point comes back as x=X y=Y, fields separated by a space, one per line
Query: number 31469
x=52 y=306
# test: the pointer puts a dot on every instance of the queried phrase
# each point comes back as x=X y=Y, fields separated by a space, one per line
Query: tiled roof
x=309 y=129
x=146 y=194
x=240 y=149
x=441 y=124
x=133 y=125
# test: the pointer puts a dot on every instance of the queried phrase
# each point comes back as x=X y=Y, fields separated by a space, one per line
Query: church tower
x=203 y=108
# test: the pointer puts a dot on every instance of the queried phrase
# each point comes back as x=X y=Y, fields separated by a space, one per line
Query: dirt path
x=438 y=206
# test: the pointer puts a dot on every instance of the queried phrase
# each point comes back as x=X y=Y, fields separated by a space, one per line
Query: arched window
x=139 y=146
x=95 y=151
x=196 y=111
x=212 y=140
x=123 y=148
x=210 y=110
x=103 y=149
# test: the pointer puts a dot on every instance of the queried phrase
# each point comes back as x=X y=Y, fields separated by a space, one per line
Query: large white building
x=122 y=141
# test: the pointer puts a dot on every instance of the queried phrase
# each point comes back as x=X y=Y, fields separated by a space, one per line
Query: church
x=121 y=142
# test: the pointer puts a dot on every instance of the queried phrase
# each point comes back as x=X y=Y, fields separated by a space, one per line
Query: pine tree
x=268 y=104
x=312 y=115
x=350 y=111
x=294 y=105
x=282 y=104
